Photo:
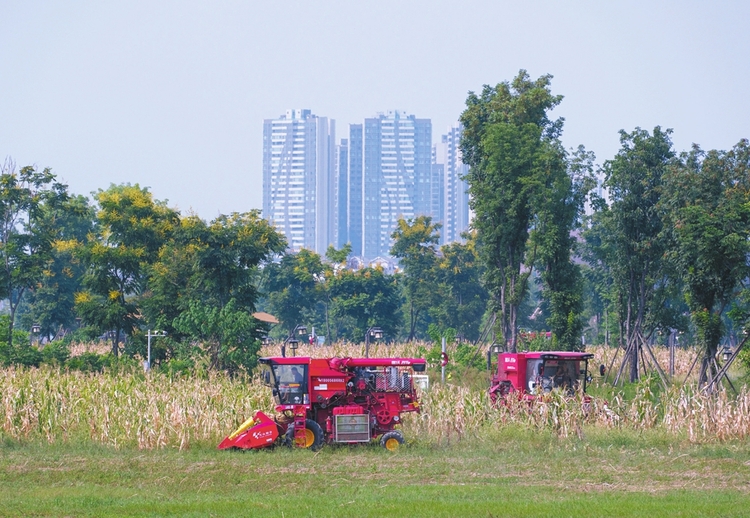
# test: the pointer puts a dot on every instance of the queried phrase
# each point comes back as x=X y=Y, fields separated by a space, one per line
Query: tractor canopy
x=534 y=373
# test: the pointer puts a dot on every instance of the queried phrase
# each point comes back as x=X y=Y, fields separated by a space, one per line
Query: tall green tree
x=51 y=302
x=558 y=212
x=175 y=279
x=415 y=245
x=515 y=158
x=708 y=206
x=131 y=228
x=631 y=240
x=30 y=202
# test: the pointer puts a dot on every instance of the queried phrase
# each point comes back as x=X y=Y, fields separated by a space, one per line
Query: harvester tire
x=313 y=435
x=392 y=441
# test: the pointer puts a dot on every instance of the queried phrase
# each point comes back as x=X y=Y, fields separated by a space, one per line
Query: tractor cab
x=535 y=373
x=287 y=378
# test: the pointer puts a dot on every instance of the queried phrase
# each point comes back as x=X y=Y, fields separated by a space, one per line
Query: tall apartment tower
x=299 y=178
x=342 y=194
x=390 y=176
x=356 y=187
x=456 y=189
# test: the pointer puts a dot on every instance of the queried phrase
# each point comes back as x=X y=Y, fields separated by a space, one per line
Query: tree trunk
x=116 y=343
x=13 y=308
x=413 y=322
x=512 y=326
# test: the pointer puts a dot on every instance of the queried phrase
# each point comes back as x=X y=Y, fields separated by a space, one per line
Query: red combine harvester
x=332 y=400
x=531 y=374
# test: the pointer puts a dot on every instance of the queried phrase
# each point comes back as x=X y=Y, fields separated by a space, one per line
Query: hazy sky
x=172 y=95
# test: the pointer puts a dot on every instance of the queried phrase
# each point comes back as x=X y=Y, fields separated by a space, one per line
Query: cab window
x=291 y=381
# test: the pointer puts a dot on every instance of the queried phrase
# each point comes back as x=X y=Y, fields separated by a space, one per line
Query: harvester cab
x=288 y=382
x=531 y=374
x=332 y=400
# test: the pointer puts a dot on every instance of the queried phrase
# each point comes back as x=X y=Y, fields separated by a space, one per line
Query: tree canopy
x=520 y=194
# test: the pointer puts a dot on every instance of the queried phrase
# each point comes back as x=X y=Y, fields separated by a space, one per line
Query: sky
x=171 y=95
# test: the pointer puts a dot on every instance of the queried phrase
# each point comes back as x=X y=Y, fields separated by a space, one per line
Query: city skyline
x=320 y=192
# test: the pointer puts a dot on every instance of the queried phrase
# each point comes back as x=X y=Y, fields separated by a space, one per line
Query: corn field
x=124 y=409
x=159 y=411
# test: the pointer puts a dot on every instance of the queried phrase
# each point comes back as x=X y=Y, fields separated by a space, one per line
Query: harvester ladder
x=299 y=426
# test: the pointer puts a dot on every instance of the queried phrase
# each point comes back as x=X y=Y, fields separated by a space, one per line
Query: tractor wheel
x=392 y=441
x=313 y=435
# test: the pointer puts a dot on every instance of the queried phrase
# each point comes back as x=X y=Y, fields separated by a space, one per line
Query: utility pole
x=442 y=368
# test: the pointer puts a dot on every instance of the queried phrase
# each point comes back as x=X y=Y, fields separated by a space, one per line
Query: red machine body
x=326 y=400
x=530 y=374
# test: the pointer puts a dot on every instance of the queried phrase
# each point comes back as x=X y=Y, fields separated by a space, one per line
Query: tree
x=131 y=228
x=335 y=263
x=512 y=148
x=632 y=244
x=338 y=256
x=295 y=286
x=30 y=202
x=414 y=244
x=51 y=302
x=235 y=246
x=708 y=205
x=203 y=287
x=228 y=334
x=558 y=212
x=462 y=299
x=364 y=298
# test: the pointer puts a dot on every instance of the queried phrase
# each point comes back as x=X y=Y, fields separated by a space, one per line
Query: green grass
x=506 y=472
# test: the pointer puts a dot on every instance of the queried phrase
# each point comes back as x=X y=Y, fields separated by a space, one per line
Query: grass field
x=127 y=444
x=508 y=472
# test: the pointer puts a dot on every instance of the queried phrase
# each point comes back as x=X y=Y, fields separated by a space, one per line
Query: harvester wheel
x=392 y=441
x=313 y=435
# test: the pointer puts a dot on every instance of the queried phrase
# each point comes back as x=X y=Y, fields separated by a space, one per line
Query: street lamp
x=149 y=334
x=299 y=330
x=35 y=328
x=374 y=332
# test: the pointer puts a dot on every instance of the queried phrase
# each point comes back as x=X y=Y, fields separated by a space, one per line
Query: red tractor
x=534 y=373
x=332 y=400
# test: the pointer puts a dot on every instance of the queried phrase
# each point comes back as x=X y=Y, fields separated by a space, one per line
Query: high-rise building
x=456 y=190
x=356 y=192
x=342 y=194
x=397 y=178
x=299 y=178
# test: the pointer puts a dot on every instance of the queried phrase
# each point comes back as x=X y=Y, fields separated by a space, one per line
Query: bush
x=21 y=354
x=90 y=362
x=55 y=353
x=178 y=367
x=744 y=358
